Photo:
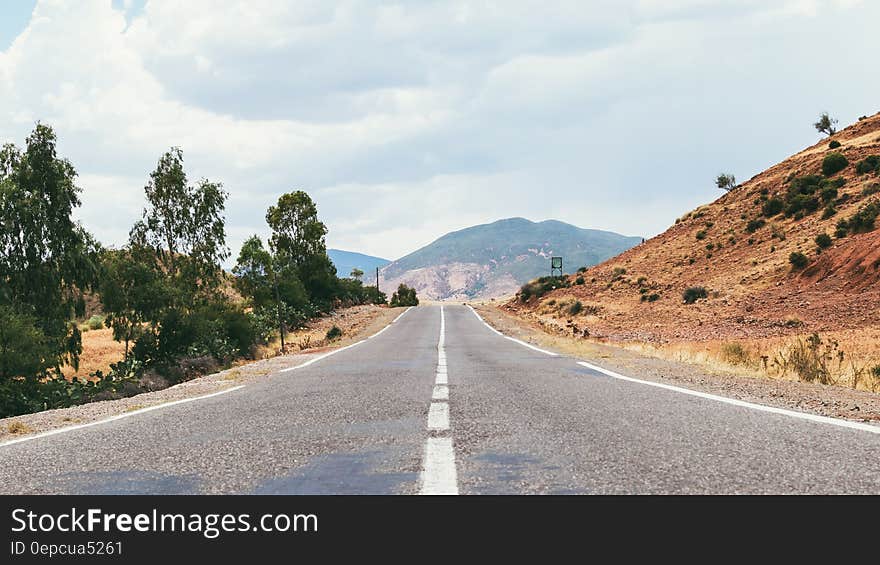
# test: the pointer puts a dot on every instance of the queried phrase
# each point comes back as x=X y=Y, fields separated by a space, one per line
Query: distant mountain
x=492 y=260
x=345 y=261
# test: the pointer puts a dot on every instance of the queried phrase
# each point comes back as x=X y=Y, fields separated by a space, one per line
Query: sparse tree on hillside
x=826 y=124
x=725 y=181
x=356 y=274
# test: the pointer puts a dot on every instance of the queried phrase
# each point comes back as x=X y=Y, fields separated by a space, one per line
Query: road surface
x=439 y=403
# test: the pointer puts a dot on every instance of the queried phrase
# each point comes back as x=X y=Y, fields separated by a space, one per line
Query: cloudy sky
x=405 y=120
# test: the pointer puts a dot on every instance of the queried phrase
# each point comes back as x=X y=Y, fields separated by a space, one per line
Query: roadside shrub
x=811 y=359
x=575 y=308
x=834 y=144
x=541 y=286
x=823 y=240
x=798 y=260
x=334 y=333
x=405 y=296
x=870 y=164
x=755 y=225
x=833 y=163
x=693 y=294
x=735 y=354
x=95 y=322
x=772 y=207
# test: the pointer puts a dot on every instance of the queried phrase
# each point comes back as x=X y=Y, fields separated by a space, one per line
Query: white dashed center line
x=438 y=474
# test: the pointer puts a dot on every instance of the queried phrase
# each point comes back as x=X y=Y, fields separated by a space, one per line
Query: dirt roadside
x=356 y=324
x=825 y=400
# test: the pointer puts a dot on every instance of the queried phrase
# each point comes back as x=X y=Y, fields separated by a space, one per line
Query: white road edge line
x=438 y=466
x=529 y=345
x=335 y=351
x=772 y=409
x=118 y=416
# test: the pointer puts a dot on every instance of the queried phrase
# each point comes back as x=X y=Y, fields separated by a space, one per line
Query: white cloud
x=406 y=120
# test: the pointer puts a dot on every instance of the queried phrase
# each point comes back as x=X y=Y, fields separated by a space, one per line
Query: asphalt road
x=373 y=419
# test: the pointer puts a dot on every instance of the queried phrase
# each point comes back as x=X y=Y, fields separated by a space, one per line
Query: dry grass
x=99 y=351
x=776 y=358
x=18 y=428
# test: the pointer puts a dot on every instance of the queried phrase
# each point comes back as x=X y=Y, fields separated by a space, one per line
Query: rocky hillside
x=493 y=260
x=792 y=250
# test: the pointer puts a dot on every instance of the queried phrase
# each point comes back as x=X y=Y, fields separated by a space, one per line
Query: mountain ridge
x=495 y=258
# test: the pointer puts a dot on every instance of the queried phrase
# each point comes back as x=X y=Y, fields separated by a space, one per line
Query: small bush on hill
x=575 y=308
x=798 y=260
x=860 y=222
x=701 y=234
x=823 y=240
x=579 y=281
x=870 y=189
x=693 y=294
x=870 y=164
x=833 y=163
x=834 y=144
x=654 y=297
x=755 y=225
x=772 y=207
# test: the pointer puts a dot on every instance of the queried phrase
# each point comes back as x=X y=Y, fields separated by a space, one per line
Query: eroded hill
x=758 y=252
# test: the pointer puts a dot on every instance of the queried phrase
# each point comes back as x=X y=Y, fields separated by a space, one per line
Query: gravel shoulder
x=825 y=400
x=356 y=323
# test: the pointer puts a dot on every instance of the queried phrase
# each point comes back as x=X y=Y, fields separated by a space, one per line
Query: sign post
x=556 y=266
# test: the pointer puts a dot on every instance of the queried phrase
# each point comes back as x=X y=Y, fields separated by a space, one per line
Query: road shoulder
x=824 y=400
x=356 y=326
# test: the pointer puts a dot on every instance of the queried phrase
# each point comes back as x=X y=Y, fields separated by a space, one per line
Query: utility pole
x=278 y=303
x=377 y=279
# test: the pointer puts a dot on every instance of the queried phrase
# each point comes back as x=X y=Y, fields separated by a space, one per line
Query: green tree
x=826 y=124
x=258 y=279
x=24 y=348
x=356 y=274
x=132 y=290
x=255 y=273
x=185 y=226
x=725 y=181
x=298 y=244
x=46 y=259
x=405 y=296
